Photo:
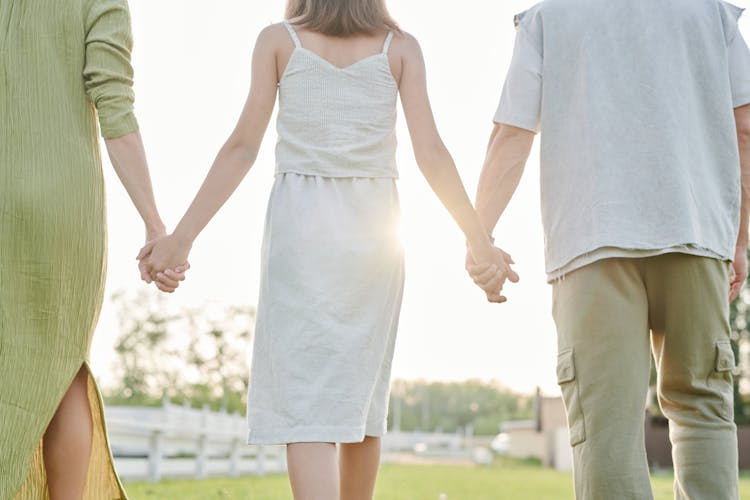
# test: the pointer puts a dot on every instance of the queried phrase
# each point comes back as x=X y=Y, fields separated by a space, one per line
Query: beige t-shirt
x=639 y=148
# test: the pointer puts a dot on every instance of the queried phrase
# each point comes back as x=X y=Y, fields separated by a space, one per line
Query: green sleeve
x=108 y=73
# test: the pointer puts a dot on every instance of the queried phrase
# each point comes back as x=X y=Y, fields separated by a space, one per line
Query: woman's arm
x=437 y=166
x=232 y=163
x=128 y=158
x=108 y=79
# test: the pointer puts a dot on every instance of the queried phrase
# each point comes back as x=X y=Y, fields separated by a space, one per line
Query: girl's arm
x=232 y=163
x=438 y=168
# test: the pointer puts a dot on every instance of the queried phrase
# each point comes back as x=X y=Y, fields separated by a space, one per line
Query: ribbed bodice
x=336 y=122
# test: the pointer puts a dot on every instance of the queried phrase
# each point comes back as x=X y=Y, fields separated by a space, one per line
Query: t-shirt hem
x=609 y=252
x=740 y=101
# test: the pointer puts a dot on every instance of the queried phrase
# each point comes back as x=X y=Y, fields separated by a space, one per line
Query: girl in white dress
x=332 y=268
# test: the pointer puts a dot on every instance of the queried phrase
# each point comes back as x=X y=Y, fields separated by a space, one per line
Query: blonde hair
x=341 y=17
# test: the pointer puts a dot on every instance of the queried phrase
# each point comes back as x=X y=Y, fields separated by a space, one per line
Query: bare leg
x=67 y=442
x=359 y=468
x=313 y=471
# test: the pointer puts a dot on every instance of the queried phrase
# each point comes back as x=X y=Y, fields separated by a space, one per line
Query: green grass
x=506 y=480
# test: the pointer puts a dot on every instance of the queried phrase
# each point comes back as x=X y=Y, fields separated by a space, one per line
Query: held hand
x=738 y=273
x=170 y=279
x=489 y=279
x=164 y=260
x=490 y=275
x=151 y=237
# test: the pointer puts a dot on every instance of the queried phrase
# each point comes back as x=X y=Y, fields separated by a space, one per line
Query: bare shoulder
x=407 y=53
x=273 y=38
x=406 y=45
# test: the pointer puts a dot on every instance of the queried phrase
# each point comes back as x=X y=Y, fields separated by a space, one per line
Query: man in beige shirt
x=645 y=171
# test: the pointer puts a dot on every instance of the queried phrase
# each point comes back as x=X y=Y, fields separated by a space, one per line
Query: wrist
x=183 y=235
x=155 y=228
x=482 y=252
x=490 y=238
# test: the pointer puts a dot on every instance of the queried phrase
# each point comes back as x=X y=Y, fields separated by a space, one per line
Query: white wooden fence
x=173 y=441
x=179 y=441
x=444 y=442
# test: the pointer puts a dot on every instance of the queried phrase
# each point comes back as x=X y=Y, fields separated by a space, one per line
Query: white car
x=501 y=443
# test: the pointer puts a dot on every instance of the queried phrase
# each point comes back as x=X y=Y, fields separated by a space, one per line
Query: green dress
x=63 y=64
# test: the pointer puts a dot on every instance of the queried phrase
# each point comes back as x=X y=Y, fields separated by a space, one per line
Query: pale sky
x=192 y=65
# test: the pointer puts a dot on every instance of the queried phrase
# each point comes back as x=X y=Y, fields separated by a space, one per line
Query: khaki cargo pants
x=609 y=315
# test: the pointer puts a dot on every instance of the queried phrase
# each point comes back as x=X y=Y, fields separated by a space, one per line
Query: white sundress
x=332 y=265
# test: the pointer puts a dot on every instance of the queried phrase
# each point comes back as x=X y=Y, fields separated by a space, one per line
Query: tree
x=190 y=354
x=451 y=406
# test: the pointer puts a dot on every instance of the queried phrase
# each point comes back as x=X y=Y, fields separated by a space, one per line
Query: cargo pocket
x=566 y=377
x=722 y=379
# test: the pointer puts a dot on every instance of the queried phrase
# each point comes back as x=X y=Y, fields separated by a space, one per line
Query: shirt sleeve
x=521 y=100
x=108 y=73
x=739 y=71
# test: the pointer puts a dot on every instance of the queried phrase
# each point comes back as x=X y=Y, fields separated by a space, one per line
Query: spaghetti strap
x=293 y=34
x=387 y=43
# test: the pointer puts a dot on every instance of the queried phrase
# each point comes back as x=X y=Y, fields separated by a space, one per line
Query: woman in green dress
x=63 y=64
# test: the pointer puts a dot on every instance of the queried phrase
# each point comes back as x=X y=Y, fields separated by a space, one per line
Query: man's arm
x=518 y=118
x=507 y=153
x=742 y=119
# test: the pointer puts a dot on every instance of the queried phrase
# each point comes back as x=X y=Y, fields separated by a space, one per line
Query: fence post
x=281 y=451
x=260 y=459
x=155 y=454
x=469 y=436
x=234 y=458
x=156 y=444
x=202 y=457
x=167 y=416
